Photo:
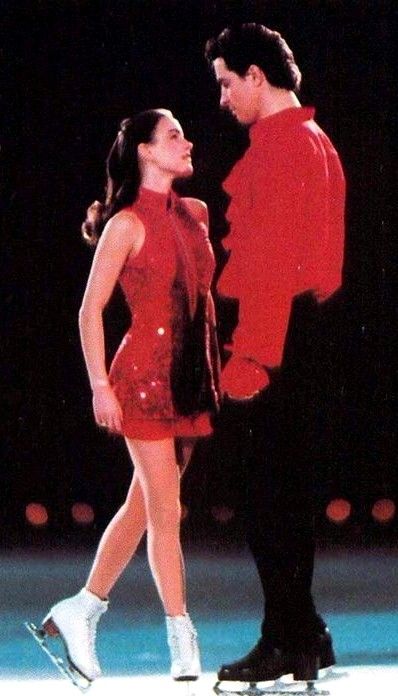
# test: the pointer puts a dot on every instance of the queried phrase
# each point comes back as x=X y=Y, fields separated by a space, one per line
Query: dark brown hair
x=122 y=171
x=255 y=44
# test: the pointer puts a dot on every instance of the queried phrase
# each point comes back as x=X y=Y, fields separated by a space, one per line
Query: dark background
x=71 y=71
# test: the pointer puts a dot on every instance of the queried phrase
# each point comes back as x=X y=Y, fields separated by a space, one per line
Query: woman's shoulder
x=198 y=209
x=126 y=217
x=124 y=229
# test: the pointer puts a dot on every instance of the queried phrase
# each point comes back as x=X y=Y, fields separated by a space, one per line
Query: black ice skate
x=269 y=664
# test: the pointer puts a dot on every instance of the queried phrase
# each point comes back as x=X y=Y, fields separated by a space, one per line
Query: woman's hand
x=242 y=378
x=107 y=411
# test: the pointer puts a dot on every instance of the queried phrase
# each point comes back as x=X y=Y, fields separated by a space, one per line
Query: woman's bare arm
x=123 y=234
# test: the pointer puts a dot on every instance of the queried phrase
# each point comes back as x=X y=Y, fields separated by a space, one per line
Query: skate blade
x=277 y=689
x=187 y=680
x=65 y=667
x=329 y=673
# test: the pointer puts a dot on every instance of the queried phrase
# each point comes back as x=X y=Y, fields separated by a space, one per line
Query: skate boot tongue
x=184 y=650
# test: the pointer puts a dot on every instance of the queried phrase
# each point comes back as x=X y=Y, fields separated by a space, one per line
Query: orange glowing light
x=338 y=510
x=36 y=514
x=383 y=510
x=82 y=513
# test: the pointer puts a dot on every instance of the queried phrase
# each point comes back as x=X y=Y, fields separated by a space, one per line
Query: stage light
x=338 y=510
x=383 y=510
x=36 y=514
x=222 y=513
x=82 y=513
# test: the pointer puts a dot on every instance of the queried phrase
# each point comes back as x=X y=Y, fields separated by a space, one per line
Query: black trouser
x=278 y=431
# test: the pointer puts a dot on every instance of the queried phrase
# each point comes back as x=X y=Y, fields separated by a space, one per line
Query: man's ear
x=255 y=74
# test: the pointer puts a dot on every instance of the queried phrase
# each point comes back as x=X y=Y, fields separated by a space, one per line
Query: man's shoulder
x=308 y=142
x=305 y=134
x=308 y=138
x=312 y=133
x=304 y=141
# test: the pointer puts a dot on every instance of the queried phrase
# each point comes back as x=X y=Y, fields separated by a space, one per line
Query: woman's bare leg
x=158 y=473
x=119 y=542
x=153 y=495
x=124 y=532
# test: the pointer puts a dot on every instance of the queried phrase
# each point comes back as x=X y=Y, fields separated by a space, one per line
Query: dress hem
x=195 y=426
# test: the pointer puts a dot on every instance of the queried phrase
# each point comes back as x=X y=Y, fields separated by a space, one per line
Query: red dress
x=164 y=285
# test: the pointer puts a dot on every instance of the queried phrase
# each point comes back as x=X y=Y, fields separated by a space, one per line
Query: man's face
x=238 y=94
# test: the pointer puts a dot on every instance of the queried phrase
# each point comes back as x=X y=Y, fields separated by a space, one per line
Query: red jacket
x=287 y=228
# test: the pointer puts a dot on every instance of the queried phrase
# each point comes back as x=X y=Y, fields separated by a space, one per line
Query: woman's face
x=169 y=151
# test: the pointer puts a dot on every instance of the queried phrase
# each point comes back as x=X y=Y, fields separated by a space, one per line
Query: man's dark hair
x=255 y=44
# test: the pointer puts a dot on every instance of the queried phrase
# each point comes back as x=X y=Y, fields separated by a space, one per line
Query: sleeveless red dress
x=165 y=284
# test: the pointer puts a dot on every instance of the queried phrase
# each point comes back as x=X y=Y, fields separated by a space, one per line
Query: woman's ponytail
x=123 y=172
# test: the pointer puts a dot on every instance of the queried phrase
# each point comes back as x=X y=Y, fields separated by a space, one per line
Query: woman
x=163 y=382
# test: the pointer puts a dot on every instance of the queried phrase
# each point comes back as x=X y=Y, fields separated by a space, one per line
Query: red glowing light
x=82 y=513
x=36 y=514
x=383 y=510
x=338 y=510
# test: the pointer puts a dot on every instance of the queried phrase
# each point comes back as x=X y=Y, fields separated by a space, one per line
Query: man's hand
x=242 y=378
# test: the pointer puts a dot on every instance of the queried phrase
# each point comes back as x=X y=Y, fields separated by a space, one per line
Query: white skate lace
x=176 y=644
x=91 y=623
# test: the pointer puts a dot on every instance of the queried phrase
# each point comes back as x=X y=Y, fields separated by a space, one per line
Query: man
x=286 y=217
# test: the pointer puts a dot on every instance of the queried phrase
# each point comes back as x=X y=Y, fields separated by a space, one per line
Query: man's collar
x=279 y=121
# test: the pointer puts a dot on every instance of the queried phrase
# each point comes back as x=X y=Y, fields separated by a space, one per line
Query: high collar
x=154 y=200
x=280 y=121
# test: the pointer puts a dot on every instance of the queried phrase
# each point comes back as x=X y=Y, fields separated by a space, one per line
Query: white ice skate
x=184 y=649
x=74 y=620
